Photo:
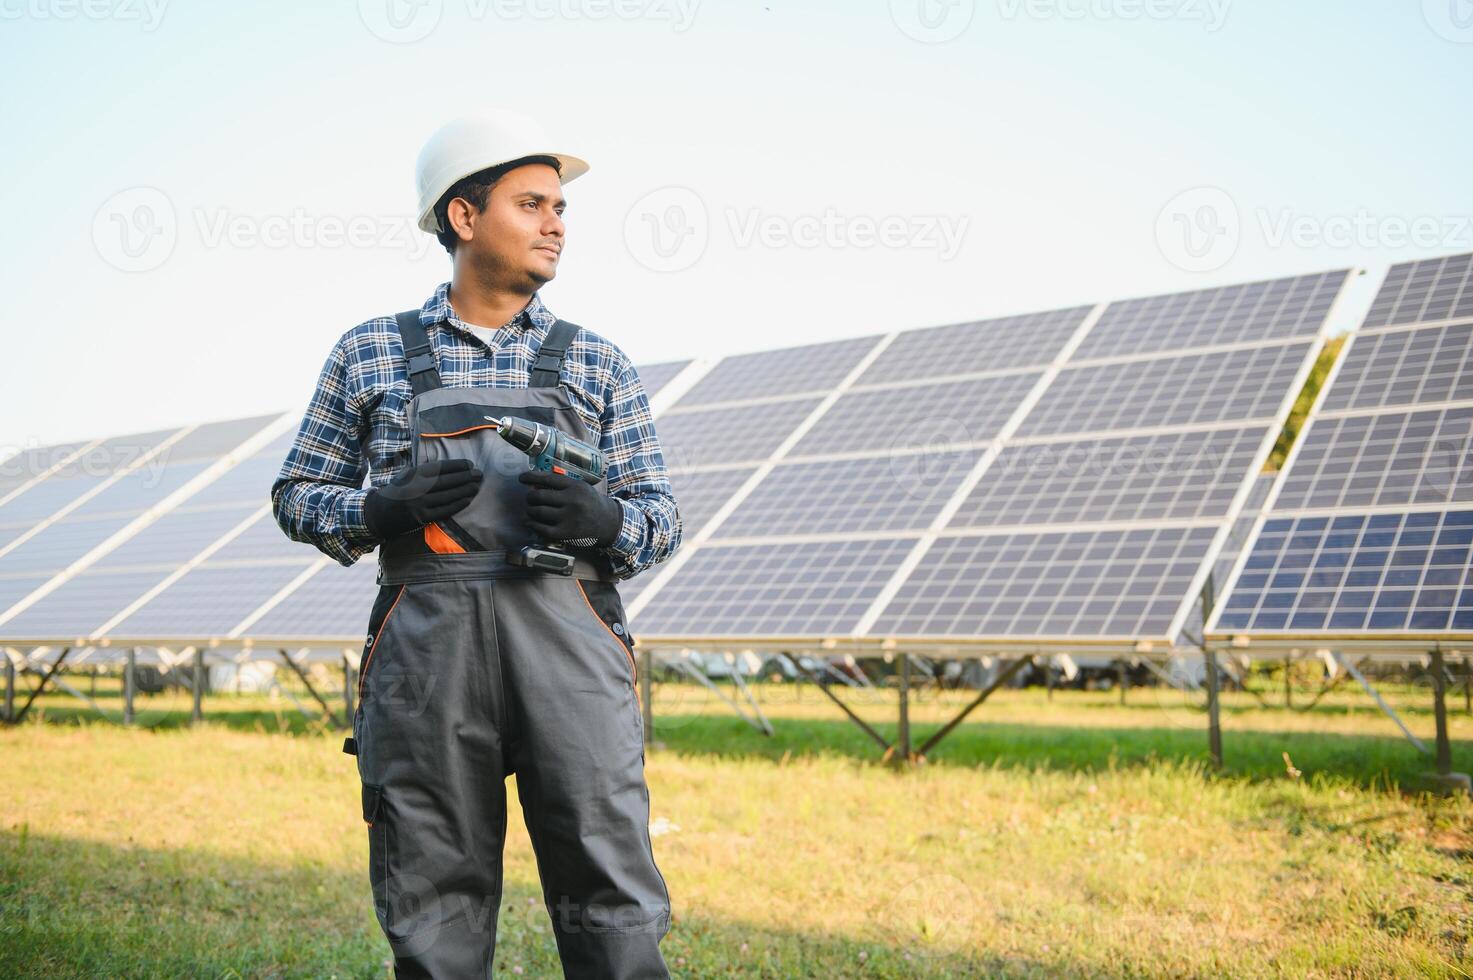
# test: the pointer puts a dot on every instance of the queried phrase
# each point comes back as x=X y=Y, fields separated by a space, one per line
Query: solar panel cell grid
x=1433 y=289
x=948 y=413
x=1082 y=583
x=1405 y=367
x=1209 y=387
x=141 y=489
x=45 y=498
x=214 y=439
x=729 y=435
x=1033 y=339
x=83 y=603
x=814 y=367
x=335 y=601
x=656 y=376
x=773 y=589
x=262 y=541
x=1277 y=309
x=888 y=493
x=1169 y=476
x=1353 y=572
x=1383 y=460
x=60 y=544
x=700 y=495
x=176 y=537
x=209 y=601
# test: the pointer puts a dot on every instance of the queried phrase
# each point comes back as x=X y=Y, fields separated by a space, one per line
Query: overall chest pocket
x=496 y=517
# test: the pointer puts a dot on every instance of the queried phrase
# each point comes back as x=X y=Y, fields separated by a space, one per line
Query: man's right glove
x=420 y=495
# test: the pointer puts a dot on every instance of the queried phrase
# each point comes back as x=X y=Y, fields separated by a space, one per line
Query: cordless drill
x=551 y=451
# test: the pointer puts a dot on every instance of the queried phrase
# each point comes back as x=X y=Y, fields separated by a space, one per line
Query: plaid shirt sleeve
x=637 y=478
x=318 y=496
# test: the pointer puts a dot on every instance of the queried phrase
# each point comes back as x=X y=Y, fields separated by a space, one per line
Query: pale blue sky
x=1040 y=153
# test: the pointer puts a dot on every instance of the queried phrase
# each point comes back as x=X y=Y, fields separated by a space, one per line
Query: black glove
x=420 y=495
x=564 y=508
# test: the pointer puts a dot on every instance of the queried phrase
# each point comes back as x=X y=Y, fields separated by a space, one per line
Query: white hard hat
x=473 y=143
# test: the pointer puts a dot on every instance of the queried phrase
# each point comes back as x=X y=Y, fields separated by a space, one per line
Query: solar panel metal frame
x=1367 y=640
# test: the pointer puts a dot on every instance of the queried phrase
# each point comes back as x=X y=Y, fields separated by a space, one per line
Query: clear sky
x=202 y=197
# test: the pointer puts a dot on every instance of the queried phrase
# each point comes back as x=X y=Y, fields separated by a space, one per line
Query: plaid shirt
x=358 y=418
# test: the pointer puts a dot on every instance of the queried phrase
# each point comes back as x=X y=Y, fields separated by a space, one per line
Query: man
x=475 y=665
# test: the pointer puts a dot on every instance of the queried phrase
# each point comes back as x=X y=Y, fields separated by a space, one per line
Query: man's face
x=518 y=238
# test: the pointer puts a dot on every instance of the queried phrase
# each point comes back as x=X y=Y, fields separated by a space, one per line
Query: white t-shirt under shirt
x=485 y=333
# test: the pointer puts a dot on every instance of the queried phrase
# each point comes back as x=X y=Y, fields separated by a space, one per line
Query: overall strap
x=423 y=375
x=549 y=363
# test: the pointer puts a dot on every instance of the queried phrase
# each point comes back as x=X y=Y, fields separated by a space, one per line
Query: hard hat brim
x=570 y=168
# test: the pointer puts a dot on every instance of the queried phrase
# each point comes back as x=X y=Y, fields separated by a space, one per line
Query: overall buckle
x=542 y=559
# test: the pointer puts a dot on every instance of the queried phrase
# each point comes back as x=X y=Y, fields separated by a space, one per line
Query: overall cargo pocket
x=603 y=600
x=378 y=849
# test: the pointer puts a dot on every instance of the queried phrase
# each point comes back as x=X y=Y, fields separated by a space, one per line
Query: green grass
x=1043 y=838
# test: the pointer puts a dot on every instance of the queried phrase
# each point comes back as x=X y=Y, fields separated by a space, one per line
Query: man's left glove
x=564 y=508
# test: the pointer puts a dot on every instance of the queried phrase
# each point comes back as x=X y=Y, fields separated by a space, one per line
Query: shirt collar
x=437 y=309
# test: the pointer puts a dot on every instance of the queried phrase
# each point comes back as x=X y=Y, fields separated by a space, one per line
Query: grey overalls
x=473 y=669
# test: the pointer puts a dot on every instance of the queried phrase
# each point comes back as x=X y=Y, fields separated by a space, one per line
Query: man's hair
x=475 y=188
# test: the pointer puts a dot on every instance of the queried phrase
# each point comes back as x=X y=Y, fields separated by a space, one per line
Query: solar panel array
x=1370 y=529
x=1059 y=475
x=1062 y=474
x=131 y=477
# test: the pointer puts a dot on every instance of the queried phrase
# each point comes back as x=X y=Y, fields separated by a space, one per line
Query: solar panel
x=749 y=433
x=1098 y=584
x=1405 y=367
x=334 y=602
x=1255 y=311
x=895 y=492
x=1416 y=292
x=212 y=440
x=45 y=498
x=1032 y=339
x=27 y=464
x=210 y=600
x=700 y=494
x=1369 y=531
x=1176 y=475
x=812 y=367
x=1353 y=572
x=917 y=415
x=656 y=376
x=84 y=603
x=15 y=587
x=1219 y=386
x=249 y=482
x=141 y=489
x=176 y=537
x=1384 y=460
x=61 y=544
x=145 y=558
x=778 y=589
